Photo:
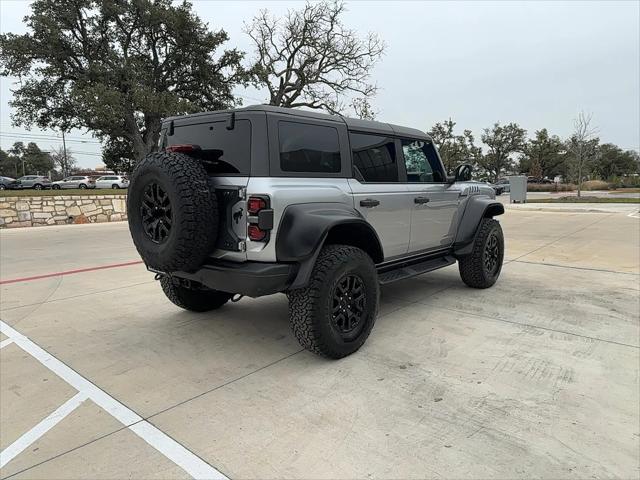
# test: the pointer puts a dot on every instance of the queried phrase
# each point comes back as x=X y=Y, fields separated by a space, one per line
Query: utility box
x=518 y=189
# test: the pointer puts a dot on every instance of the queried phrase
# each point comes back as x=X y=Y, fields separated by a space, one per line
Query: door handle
x=421 y=200
x=369 y=203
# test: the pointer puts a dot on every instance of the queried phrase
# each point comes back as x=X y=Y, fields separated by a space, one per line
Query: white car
x=112 y=181
x=76 y=181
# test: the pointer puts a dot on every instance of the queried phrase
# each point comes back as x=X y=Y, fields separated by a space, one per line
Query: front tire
x=334 y=314
x=56 y=187
x=482 y=267
x=196 y=299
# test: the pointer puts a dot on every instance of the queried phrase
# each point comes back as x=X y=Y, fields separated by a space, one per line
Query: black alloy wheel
x=156 y=214
x=348 y=306
x=491 y=255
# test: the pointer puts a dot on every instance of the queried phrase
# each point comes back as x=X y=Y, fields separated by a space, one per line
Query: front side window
x=308 y=148
x=421 y=162
x=374 y=158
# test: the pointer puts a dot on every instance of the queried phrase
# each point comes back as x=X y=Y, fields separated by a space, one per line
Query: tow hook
x=236 y=297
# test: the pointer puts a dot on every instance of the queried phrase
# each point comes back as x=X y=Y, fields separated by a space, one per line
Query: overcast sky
x=534 y=63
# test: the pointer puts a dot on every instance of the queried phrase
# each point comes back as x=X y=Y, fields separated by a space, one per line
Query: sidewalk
x=626 y=208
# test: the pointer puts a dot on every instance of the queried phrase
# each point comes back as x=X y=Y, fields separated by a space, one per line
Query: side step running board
x=407 y=271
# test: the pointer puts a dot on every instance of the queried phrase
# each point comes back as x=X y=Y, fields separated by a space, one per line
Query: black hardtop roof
x=356 y=124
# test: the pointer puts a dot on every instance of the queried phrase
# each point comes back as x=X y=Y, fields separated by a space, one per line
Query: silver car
x=264 y=199
x=37 y=182
x=76 y=181
x=5 y=182
x=112 y=181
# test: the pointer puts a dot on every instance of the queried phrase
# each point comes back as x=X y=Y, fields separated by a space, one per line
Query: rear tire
x=56 y=187
x=196 y=299
x=482 y=267
x=115 y=187
x=37 y=186
x=82 y=186
x=334 y=314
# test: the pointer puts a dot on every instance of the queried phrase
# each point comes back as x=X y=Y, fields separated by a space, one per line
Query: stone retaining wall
x=59 y=210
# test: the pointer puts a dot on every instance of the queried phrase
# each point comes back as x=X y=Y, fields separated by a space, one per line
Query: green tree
x=611 y=161
x=310 y=59
x=543 y=155
x=9 y=164
x=117 y=155
x=117 y=67
x=502 y=143
x=454 y=149
x=29 y=160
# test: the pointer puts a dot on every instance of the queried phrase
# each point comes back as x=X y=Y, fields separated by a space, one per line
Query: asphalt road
x=535 y=377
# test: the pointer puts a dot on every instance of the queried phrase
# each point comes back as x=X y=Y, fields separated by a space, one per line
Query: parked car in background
x=539 y=180
x=76 y=181
x=5 y=182
x=112 y=181
x=502 y=186
x=37 y=182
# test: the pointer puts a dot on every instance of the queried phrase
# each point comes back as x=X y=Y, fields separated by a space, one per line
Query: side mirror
x=463 y=173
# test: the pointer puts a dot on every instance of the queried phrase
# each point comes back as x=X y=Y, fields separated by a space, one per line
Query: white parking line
x=5 y=342
x=40 y=429
x=634 y=214
x=185 y=459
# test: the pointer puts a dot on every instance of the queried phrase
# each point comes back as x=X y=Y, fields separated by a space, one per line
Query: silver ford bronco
x=261 y=200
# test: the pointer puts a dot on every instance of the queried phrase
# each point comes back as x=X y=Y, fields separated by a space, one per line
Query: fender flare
x=304 y=228
x=477 y=208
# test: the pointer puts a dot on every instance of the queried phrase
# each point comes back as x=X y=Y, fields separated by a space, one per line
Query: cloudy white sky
x=534 y=63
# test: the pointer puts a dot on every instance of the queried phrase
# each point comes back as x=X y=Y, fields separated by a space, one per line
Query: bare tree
x=363 y=109
x=582 y=146
x=310 y=59
x=63 y=160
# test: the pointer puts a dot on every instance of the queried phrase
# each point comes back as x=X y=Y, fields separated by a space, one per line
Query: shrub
x=550 y=187
x=629 y=181
x=595 y=185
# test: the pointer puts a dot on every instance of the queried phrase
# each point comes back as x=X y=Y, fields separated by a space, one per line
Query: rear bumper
x=253 y=279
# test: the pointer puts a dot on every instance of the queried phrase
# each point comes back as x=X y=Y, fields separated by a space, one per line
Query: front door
x=434 y=202
x=377 y=192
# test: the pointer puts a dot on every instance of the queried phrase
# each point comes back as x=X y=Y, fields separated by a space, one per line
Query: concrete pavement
x=535 y=377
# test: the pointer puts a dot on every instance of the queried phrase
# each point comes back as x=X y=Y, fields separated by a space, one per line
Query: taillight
x=182 y=148
x=260 y=218
x=255 y=233
x=255 y=204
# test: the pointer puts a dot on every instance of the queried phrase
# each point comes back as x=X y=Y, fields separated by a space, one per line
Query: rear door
x=379 y=192
x=434 y=202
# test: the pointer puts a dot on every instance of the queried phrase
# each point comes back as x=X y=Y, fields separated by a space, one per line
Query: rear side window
x=374 y=158
x=224 y=151
x=308 y=148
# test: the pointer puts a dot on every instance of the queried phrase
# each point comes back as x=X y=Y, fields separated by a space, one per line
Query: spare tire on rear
x=173 y=215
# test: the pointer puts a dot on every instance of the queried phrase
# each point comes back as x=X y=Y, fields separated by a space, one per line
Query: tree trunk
x=579 y=178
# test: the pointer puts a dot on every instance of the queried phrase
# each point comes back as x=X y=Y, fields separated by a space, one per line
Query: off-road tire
x=310 y=307
x=472 y=266
x=194 y=212
x=196 y=299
